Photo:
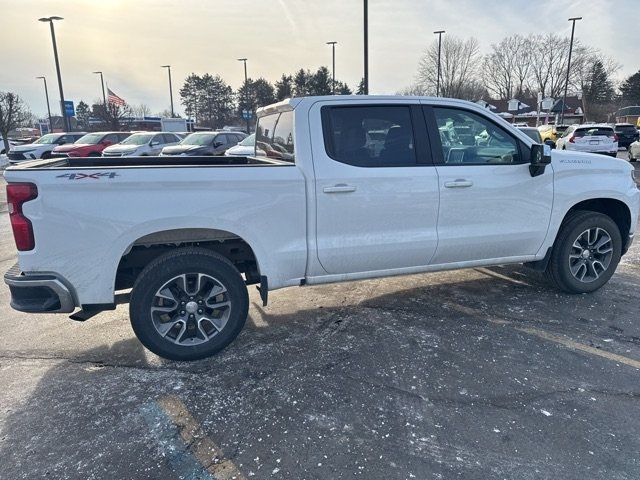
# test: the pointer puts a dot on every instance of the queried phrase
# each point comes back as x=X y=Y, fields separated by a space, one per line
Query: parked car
x=634 y=151
x=42 y=147
x=532 y=132
x=551 y=133
x=246 y=148
x=205 y=143
x=89 y=145
x=189 y=237
x=142 y=144
x=592 y=138
x=3 y=146
x=627 y=134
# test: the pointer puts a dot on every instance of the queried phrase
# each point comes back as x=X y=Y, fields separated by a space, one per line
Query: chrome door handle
x=459 y=183
x=339 y=188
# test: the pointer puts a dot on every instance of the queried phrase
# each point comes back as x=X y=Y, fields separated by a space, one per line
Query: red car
x=90 y=145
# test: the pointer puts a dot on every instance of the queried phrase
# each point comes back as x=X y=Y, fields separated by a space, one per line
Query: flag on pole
x=114 y=99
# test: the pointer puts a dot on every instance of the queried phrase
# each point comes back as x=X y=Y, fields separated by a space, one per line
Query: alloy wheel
x=590 y=254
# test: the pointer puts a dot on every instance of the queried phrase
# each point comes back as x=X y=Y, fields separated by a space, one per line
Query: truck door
x=490 y=205
x=376 y=187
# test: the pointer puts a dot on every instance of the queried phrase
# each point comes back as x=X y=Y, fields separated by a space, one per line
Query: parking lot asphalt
x=473 y=374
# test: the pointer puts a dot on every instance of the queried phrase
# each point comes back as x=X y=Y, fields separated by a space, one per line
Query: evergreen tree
x=284 y=87
x=360 y=90
x=598 y=89
x=320 y=82
x=254 y=94
x=301 y=83
x=342 y=89
x=630 y=90
x=189 y=95
x=83 y=112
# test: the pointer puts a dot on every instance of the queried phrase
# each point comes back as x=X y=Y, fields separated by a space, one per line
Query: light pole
x=439 y=33
x=46 y=94
x=104 y=97
x=65 y=119
x=246 y=92
x=566 y=83
x=168 y=67
x=366 y=47
x=333 y=66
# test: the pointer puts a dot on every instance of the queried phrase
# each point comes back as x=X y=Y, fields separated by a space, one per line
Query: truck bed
x=166 y=161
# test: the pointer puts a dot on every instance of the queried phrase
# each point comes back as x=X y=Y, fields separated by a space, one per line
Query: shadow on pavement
x=397 y=384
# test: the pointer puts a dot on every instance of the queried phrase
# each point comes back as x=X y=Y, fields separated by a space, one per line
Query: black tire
x=165 y=268
x=46 y=155
x=559 y=271
x=94 y=154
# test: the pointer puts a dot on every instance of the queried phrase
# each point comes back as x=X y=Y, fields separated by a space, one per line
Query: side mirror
x=154 y=143
x=550 y=143
x=540 y=158
x=217 y=144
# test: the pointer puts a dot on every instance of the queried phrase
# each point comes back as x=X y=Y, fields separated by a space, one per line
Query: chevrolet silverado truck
x=341 y=188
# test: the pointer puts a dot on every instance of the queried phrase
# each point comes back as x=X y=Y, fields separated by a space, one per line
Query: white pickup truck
x=344 y=188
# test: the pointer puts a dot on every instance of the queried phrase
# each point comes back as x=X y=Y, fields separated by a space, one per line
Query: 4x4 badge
x=93 y=176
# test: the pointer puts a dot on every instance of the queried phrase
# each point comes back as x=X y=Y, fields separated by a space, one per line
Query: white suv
x=42 y=147
x=589 y=138
x=142 y=144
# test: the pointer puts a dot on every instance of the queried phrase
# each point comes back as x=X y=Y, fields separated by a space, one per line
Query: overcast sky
x=129 y=39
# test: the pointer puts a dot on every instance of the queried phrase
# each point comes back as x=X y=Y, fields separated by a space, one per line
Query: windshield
x=137 y=139
x=250 y=141
x=48 y=139
x=198 y=139
x=626 y=128
x=90 y=139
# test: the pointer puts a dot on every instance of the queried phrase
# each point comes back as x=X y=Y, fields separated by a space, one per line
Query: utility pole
x=65 y=119
x=46 y=94
x=168 y=67
x=104 y=97
x=333 y=68
x=566 y=83
x=439 y=33
x=246 y=92
x=366 y=47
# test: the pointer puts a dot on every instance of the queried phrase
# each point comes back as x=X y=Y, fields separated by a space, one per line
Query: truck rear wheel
x=188 y=304
x=586 y=252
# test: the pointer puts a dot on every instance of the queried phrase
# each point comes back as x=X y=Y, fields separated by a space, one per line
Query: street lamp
x=439 y=33
x=168 y=67
x=246 y=91
x=366 y=47
x=65 y=120
x=566 y=83
x=104 y=97
x=46 y=94
x=333 y=68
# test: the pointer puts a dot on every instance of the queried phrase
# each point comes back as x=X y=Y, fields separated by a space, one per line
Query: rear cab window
x=370 y=136
x=274 y=136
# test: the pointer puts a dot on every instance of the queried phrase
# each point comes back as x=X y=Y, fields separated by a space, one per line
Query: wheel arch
x=150 y=246
x=617 y=210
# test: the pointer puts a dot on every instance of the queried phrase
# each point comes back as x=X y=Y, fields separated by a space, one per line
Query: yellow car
x=551 y=133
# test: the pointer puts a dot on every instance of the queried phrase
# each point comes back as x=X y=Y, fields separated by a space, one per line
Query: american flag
x=114 y=99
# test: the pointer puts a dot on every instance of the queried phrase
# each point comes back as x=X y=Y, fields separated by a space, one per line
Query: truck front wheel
x=586 y=252
x=188 y=304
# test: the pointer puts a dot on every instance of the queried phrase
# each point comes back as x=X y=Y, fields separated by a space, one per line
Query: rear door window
x=370 y=136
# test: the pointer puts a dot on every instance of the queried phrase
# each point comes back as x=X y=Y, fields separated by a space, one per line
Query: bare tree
x=13 y=114
x=416 y=89
x=460 y=66
x=114 y=116
x=141 y=110
x=506 y=69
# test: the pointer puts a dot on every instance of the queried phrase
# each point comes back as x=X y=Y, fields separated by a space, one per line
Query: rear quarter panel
x=83 y=225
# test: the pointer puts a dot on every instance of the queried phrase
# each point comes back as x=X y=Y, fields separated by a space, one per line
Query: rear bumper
x=38 y=293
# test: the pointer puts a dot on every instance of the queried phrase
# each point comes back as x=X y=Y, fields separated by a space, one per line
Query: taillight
x=615 y=137
x=17 y=195
x=572 y=139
